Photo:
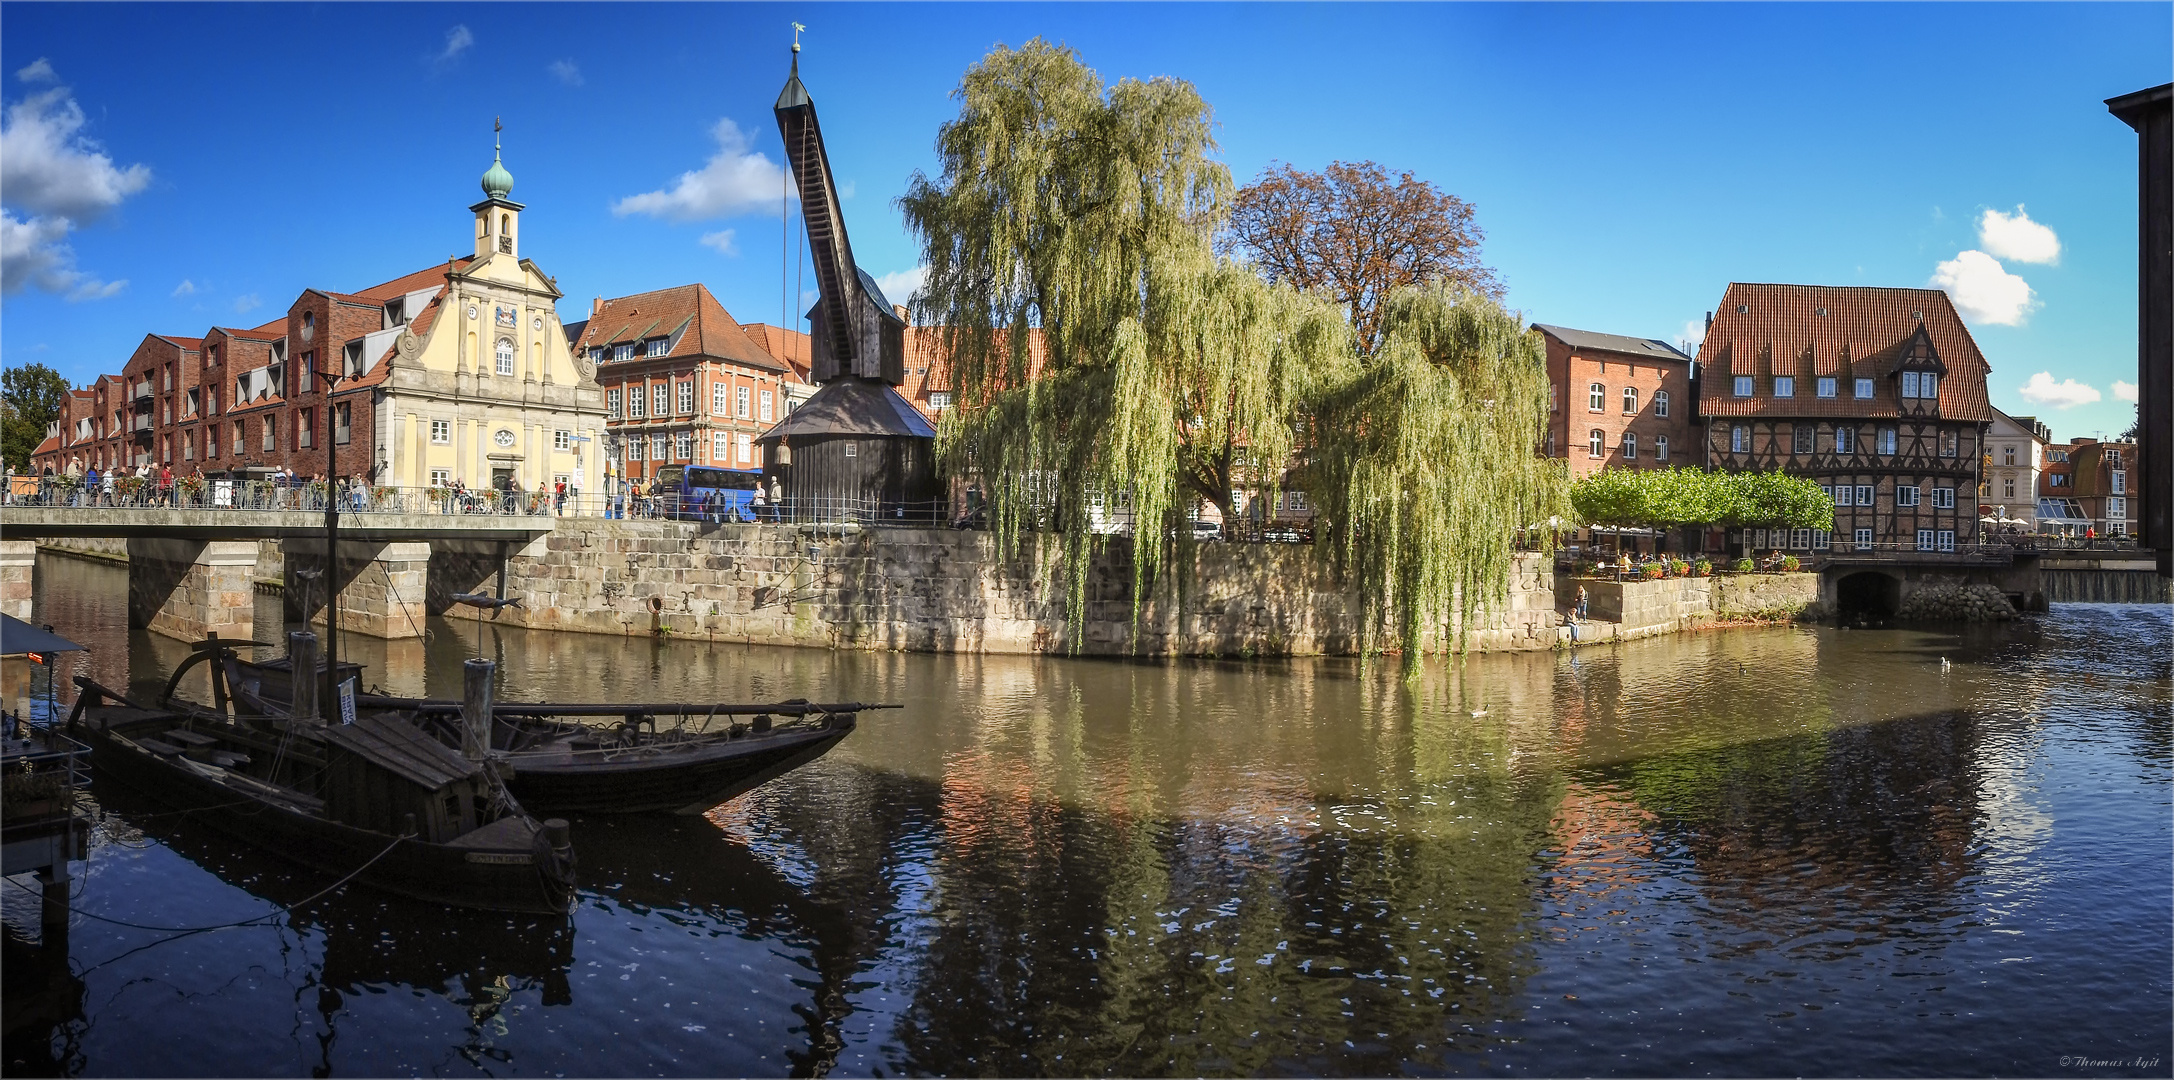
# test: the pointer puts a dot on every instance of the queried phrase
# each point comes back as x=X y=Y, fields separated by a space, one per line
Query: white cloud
x=2017 y=238
x=2066 y=394
x=2125 y=391
x=735 y=181
x=722 y=241
x=899 y=288
x=48 y=167
x=35 y=253
x=1693 y=332
x=247 y=303
x=186 y=288
x=39 y=70
x=1983 y=291
x=457 y=41
x=565 y=71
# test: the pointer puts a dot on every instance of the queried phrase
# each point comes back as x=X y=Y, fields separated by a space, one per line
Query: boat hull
x=537 y=880
x=688 y=782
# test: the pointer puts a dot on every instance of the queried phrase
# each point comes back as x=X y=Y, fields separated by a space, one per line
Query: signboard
x=347 y=701
x=222 y=493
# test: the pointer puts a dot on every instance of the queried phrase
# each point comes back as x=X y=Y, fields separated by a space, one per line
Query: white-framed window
x=596 y=354
x=1660 y=403
x=1596 y=444
x=1596 y=398
x=852 y=450
x=1739 y=439
x=2007 y=455
x=1822 y=540
x=1845 y=440
x=1864 y=494
x=1943 y=498
x=2056 y=479
x=1925 y=540
x=1862 y=538
x=660 y=446
x=622 y=351
x=1928 y=385
x=682 y=445
x=505 y=356
x=744 y=444
x=441 y=432
x=1909 y=384
x=655 y=346
x=1743 y=386
x=718 y=390
x=1841 y=493
x=1554 y=398
x=1946 y=540
x=2117 y=508
x=740 y=403
x=1804 y=438
x=271 y=432
x=1294 y=500
x=1660 y=447
x=1864 y=389
x=562 y=440
x=1630 y=400
x=686 y=396
x=1825 y=386
x=611 y=403
x=1800 y=539
x=1785 y=386
x=2113 y=458
x=769 y=407
x=660 y=399
x=1887 y=440
x=2007 y=487
x=2121 y=481
x=1906 y=496
x=721 y=446
x=441 y=478
x=1630 y=446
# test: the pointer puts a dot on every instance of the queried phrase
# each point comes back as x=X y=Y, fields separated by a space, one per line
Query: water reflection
x=1752 y=851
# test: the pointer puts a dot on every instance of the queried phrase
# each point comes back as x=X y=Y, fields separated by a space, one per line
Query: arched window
x=505 y=356
x=1596 y=397
x=1630 y=446
x=1660 y=403
x=1630 y=400
x=505 y=224
x=1596 y=444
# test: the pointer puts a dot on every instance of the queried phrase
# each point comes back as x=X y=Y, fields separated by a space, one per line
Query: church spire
x=497 y=183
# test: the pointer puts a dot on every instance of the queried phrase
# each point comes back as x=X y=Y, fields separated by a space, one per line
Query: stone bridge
x=1877 y=583
x=193 y=572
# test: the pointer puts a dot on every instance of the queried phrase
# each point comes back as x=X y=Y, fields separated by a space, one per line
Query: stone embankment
x=1956 y=603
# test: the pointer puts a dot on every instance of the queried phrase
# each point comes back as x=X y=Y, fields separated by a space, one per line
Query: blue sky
x=173 y=167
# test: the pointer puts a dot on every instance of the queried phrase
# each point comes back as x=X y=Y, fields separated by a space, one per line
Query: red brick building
x=683 y=382
x=1617 y=401
x=1878 y=394
x=2101 y=476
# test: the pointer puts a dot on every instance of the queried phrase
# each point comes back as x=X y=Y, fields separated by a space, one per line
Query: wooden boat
x=560 y=764
x=377 y=800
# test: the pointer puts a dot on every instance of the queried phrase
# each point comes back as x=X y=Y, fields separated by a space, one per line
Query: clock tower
x=498 y=218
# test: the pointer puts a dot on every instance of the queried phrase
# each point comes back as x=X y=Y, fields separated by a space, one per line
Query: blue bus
x=698 y=493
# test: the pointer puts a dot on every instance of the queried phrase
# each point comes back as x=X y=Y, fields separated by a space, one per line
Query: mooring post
x=475 y=708
x=302 y=674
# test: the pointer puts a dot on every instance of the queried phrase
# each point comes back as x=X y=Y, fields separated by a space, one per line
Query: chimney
x=596 y=308
x=1709 y=320
x=902 y=315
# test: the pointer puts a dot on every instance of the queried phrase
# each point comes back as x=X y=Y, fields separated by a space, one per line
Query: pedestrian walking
x=1583 y=602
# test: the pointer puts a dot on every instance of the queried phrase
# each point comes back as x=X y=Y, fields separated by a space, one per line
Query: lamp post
x=328 y=692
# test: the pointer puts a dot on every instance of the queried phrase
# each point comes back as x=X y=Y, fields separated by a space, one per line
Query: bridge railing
x=132 y=493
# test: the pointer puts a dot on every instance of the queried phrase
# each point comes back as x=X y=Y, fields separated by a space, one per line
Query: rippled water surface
x=1780 y=851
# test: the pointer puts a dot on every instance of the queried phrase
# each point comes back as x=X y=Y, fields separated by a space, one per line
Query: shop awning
x=17 y=637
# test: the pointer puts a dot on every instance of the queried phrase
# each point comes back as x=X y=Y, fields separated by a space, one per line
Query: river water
x=1752 y=851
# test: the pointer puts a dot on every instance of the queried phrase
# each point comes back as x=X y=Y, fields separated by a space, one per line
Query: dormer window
x=354 y=359
x=623 y=351
x=655 y=346
x=396 y=313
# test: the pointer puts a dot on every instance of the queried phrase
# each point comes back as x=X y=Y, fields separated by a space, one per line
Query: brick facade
x=1603 y=387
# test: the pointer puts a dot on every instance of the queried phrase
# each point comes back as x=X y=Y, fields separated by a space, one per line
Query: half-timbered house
x=1877 y=394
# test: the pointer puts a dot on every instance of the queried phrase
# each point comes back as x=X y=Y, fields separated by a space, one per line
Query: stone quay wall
x=935 y=590
x=1667 y=605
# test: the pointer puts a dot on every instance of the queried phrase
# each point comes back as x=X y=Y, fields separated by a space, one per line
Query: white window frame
x=660 y=400
x=1660 y=403
x=612 y=401
x=1630 y=401
x=1906 y=496
x=441 y=433
x=1887 y=442
x=2117 y=508
x=1928 y=386
x=660 y=446
x=1292 y=500
x=1596 y=398
x=1943 y=498
x=1867 y=494
x=1660 y=448
x=1822 y=540
x=1629 y=446
x=1785 y=386
x=1803 y=439
x=744 y=445
x=1864 y=389
x=720 y=446
x=1842 y=493
x=686 y=396
x=768 y=404
x=1945 y=540
x=2121 y=481
x=441 y=478
x=740 y=407
x=656 y=347
x=682 y=446
x=1925 y=540
x=1739 y=439
x=1845 y=440
x=1596 y=444
x=1825 y=387
x=504 y=351
x=1745 y=385
x=718 y=389
x=1800 y=539
x=1909 y=384
x=562 y=440
x=1862 y=539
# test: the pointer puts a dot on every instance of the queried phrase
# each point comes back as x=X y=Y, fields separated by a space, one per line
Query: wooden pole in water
x=475 y=707
x=302 y=674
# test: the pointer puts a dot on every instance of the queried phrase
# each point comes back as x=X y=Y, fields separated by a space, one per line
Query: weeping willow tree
x=1424 y=471
x=1098 y=346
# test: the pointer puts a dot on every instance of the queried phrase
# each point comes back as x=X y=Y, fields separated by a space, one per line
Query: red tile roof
x=1861 y=335
x=702 y=326
x=789 y=346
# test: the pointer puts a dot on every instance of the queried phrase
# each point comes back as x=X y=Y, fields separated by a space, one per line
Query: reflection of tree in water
x=1158 y=888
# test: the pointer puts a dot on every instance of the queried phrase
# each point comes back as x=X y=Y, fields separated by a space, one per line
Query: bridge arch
x=1871 y=593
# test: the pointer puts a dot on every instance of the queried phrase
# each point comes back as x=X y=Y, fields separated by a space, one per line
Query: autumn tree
x=1352 y=233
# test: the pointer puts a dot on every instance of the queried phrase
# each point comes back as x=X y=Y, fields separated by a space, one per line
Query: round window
x=504 y=437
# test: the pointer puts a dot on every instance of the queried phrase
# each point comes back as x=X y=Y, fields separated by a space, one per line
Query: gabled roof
x=1862 y=334
x=259 y=334
x=401 y=748
x=699 y=324
x=849 y=406
x=1653 y=348
x=789 y=346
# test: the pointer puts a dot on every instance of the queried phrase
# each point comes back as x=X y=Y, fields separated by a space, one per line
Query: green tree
x=1666 y=498
x=34 y=394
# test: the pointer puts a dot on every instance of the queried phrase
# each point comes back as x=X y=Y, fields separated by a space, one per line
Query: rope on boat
x=280 y=910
